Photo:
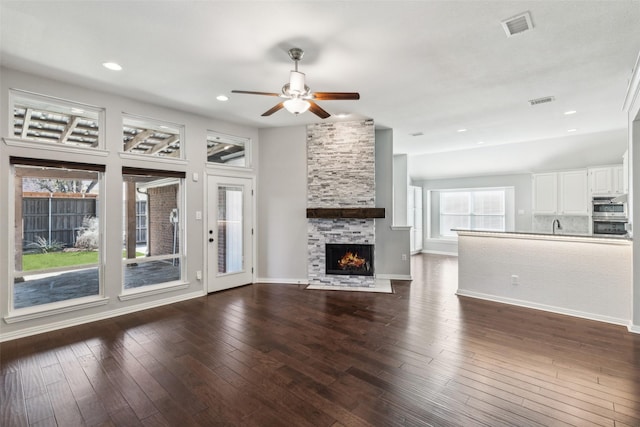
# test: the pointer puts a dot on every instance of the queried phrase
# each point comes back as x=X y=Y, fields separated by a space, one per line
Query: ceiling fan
x=299 y=97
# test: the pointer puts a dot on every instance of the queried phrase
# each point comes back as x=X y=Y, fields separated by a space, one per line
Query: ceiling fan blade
x=317 y=110
x=326 y=96
x=277 y=107
x=250 y=92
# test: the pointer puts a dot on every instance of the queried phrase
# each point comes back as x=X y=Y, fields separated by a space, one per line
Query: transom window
x=227 y=150
x=50 y=120
x=152 y=138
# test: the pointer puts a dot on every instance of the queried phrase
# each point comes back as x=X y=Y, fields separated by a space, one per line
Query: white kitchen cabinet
x=607 y=180
x=545 y=193
x=617 y=176
x=573 y=194
x=625 y=172
x=561 y=193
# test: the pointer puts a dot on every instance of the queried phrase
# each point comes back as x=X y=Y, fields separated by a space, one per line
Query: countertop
x=597 y=238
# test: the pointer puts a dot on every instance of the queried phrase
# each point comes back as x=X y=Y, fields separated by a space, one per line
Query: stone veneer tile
x=340 y=173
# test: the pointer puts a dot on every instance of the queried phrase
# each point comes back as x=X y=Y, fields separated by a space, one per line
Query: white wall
x=580 y=277
x=522 y=195
x=632 y=106
x=282 y=204
x=400 y=184
x=391 y=244
x=195 y=151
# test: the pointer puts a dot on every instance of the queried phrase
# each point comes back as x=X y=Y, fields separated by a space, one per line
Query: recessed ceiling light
x=222 y=98
x=480 y=142
x=342 y=115
x=462 y=130
x=572 y=130
x=570 y=112
x=113 y=66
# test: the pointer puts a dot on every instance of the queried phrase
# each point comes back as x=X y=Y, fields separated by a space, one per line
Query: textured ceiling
x=428 y=67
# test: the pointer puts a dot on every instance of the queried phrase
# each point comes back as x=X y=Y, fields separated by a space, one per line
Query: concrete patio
x=54 y=287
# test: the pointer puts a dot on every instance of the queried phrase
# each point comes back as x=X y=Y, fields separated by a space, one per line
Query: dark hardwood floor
x=279 y=355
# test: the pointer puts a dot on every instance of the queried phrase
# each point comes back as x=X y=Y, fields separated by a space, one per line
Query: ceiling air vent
x=544 y=100
x=517 y=24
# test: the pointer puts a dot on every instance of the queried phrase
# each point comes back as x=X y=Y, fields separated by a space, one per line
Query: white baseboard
x=394 y=276
x=544 y=307
x=427 y=251
x=95 y=317
x=633 y=328
x=271 y=280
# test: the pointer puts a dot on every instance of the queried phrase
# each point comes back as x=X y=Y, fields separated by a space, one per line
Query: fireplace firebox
x=349 y=259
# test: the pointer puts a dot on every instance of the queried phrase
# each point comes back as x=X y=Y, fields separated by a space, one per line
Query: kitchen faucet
x=553 y=225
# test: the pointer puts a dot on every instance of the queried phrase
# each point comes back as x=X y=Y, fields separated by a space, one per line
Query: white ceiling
x=429 y=67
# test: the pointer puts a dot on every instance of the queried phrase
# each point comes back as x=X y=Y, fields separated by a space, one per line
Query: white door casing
x=229 y=232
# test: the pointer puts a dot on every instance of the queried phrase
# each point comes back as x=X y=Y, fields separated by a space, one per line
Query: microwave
x=609 y=207
x=614 y=227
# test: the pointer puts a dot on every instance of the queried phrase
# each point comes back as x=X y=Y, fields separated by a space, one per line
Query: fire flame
x=351 y=260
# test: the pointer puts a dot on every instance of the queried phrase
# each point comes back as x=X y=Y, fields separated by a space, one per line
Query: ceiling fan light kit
x=299 y=97
x=296 y=105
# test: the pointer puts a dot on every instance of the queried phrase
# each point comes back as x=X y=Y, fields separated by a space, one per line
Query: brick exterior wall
x=161 y=200
x=340 y=173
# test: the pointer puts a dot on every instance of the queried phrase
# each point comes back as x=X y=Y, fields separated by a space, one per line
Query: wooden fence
x=60 y=218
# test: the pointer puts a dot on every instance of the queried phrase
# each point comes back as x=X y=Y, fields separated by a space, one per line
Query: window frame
x=18 y=95
x=158 y=125
x=167 y=178
x=508 y=216
x=248 y=145
x=43 y=310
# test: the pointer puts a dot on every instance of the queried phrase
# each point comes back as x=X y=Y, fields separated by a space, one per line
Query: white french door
x=229 y=232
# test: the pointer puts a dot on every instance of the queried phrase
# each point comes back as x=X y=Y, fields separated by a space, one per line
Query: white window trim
x=153 y=159
x=248 y=149
x=51 y=309
x=18 y=94
x=155 y=123
x=48 y=146
x=45 y=310
x=148 y=290
x=163 y=287
x=438 y=237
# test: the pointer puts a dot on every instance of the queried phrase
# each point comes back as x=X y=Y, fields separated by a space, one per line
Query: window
x=151 y=138
x=153 y=238
x=472 y=209
x=55 y=121
x=227 y=150
x=57 y=250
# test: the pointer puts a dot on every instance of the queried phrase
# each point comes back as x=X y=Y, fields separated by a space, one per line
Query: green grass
x=32 y=262
x=58 y=259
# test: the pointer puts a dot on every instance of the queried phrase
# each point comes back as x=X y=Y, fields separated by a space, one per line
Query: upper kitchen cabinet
x=573 y=193
x=607 y=180
x=561 y=193
x=545 y=193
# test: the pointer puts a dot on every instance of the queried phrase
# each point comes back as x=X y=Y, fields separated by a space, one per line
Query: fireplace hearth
x=349 y=259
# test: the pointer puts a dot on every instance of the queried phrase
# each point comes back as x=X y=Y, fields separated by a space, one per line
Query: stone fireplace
x=341 y=208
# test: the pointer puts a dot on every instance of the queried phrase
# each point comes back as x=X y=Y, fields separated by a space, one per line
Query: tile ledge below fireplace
x=332 y=213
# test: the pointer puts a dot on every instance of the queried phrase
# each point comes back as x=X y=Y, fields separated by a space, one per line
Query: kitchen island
x=587 y=276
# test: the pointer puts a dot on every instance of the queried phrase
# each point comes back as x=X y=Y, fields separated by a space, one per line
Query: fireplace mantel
x=332 y=213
